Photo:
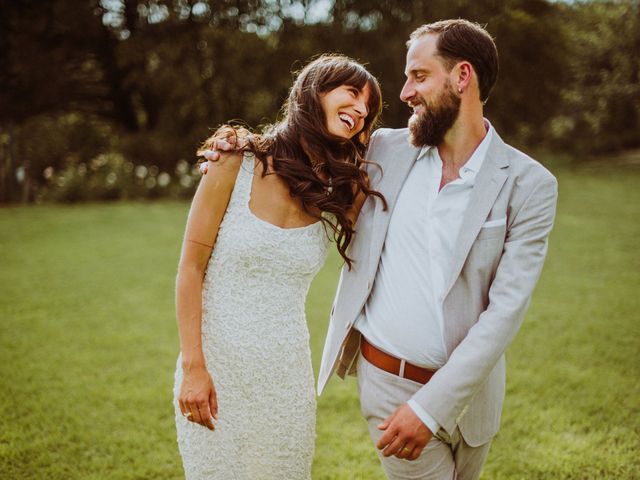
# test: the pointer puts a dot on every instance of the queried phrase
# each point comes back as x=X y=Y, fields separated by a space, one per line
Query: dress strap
x=242 y=188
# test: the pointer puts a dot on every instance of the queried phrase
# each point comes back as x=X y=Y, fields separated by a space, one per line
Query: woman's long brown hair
x=324 y=171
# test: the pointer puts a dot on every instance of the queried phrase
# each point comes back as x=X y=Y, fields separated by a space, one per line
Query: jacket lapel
x=390 y=185
x=488 y=184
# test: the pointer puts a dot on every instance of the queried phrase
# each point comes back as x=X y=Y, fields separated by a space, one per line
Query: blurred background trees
x=103 y=99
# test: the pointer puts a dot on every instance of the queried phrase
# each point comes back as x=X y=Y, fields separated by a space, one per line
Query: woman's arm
x=206 y=213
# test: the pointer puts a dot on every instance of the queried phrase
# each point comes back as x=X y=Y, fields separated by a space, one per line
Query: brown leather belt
x=393 y=365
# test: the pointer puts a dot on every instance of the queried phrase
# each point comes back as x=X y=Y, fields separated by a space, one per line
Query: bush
x=111 y=177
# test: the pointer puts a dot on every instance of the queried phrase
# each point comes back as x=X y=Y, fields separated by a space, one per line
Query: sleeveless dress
x=256 y=347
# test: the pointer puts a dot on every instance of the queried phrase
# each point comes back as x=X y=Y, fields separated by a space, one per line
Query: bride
x=257 y=233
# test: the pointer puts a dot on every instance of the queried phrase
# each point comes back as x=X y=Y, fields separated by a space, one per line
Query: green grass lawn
x=88 y=344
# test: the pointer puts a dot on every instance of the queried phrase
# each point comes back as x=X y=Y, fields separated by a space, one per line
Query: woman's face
x=345 y=109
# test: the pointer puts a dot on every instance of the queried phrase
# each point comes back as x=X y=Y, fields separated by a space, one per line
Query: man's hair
x=462 y=40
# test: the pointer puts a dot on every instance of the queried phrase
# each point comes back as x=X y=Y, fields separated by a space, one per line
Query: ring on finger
x=187 y=414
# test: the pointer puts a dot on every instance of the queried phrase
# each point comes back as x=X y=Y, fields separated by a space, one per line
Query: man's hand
x=219 y=147
x=405 y=435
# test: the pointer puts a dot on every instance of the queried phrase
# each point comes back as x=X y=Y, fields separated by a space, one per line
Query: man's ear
x=463 y=76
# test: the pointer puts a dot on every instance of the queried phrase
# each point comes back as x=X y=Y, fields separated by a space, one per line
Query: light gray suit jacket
x=493 y=273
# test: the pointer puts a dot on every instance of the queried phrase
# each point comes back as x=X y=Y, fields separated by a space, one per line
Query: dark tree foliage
x=149 y=79
x=600 y=105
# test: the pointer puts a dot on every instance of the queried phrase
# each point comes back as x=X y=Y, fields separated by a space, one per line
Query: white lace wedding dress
x=256 y=346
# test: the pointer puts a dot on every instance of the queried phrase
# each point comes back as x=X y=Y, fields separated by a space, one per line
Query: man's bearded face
x=432 y=121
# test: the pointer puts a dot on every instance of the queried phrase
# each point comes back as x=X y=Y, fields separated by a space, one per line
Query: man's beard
x=430 y=127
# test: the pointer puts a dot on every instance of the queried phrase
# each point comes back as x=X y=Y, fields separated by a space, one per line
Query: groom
x=442 y=278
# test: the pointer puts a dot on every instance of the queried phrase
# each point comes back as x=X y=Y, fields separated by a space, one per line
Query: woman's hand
x=198 y=400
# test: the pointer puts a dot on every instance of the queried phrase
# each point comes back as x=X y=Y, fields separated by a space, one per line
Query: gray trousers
x=444 y=457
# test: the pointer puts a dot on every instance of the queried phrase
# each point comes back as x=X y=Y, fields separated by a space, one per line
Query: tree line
x=106 y=87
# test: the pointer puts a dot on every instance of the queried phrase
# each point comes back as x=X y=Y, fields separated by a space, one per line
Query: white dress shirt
x=404 y=313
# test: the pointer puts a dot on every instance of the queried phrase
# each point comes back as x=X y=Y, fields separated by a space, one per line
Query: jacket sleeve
x=453 y=386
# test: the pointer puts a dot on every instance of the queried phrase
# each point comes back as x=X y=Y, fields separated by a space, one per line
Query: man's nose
x=407 y=91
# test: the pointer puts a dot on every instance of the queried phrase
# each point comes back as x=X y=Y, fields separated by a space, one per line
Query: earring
x=459 y=90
